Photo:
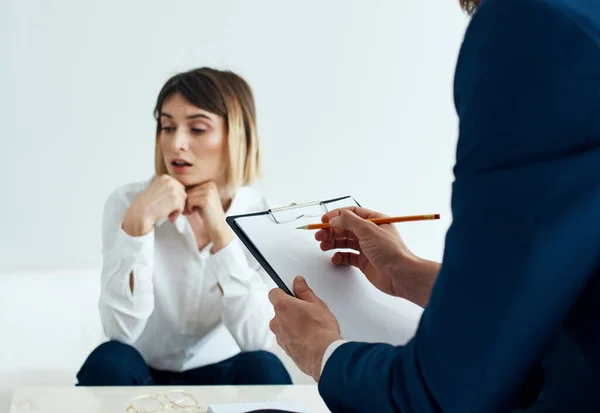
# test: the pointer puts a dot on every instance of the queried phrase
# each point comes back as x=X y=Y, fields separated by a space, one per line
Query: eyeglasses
x=173 y=401
x=289 y=213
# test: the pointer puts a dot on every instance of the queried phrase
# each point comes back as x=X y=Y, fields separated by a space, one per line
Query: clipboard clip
x=294 y=206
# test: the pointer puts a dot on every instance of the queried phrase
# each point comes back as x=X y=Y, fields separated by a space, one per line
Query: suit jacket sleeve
x=526 y=231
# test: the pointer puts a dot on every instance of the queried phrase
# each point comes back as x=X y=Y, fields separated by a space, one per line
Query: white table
x=116 y=399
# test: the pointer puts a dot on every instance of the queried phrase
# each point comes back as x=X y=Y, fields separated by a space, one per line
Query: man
x=513 y=319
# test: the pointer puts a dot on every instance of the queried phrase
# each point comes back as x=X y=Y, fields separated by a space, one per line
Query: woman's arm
x=246 y=309
x=127 y=296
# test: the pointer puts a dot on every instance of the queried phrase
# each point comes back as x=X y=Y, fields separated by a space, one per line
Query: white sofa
x=49 y=323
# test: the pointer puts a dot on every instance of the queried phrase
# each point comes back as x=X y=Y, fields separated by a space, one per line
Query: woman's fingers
x=174 y=215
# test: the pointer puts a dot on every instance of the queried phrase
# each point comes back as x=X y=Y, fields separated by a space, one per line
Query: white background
x=354 y=98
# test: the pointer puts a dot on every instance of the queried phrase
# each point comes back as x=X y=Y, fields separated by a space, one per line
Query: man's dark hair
x=469 y=5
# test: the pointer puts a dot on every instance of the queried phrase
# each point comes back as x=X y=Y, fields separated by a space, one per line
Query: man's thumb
x=303 y=291
x=348 y=220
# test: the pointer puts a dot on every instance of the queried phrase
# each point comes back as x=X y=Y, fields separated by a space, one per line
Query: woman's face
x=193 y=142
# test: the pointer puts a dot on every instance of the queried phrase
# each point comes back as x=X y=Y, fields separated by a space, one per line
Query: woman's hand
x=205 y=201
x=165 y=197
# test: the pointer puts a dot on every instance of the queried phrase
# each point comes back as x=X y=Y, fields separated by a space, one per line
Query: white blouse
x=176 y=316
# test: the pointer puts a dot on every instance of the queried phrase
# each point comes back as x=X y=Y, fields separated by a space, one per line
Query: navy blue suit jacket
x=514 y=316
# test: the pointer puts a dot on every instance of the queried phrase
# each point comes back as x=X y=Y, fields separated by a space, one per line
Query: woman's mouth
x=180 y=165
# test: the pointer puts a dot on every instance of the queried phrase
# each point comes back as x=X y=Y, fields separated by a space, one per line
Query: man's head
x=469 y=5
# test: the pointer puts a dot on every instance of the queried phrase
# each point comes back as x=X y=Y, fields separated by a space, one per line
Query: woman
x=180 y=296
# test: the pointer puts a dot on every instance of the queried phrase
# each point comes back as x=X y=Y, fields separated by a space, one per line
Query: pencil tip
x=302 y=227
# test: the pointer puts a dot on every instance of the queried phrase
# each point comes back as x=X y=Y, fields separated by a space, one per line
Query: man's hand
x=381 y=254
x=304 y=326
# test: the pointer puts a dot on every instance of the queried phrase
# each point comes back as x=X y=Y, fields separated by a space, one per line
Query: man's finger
x=361 y=212
x=349 y=221
x=346 y=258
x=273 y=325
x=333 y=233
x=340 y=244
x=276 y=295
x=303 y=292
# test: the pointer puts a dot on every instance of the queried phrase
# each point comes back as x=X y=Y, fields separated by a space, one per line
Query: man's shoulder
x=524 y=36
x=583 y=13
x=575 y=9
x=523 y=82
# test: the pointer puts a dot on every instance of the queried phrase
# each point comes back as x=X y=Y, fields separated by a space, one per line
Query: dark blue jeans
x=117 y=364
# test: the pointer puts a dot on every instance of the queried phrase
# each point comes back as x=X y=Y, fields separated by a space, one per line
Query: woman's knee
x=114 y=354
x=262 y=367
x=113 y=363
x=259 y=357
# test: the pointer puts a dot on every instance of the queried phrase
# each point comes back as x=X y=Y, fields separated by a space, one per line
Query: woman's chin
x=189 y=181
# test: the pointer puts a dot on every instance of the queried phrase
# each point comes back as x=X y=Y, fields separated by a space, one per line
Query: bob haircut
x=228 y=95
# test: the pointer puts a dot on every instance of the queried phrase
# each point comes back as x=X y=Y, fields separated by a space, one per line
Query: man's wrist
x=414 y=279
x=329 y=350
x=320 y=360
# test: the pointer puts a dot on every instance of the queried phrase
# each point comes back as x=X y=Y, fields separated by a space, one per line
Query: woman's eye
x=167 y=129
x=198 y=131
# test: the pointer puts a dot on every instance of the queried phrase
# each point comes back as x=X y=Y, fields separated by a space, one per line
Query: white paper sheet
x=364 y=313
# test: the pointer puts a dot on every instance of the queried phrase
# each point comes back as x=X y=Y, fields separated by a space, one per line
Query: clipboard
x=279 y=216
x=364 y=313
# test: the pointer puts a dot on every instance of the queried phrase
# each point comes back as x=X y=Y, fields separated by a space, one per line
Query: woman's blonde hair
x=228 y=95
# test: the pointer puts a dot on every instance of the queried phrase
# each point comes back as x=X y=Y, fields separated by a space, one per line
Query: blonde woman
x=182 y=302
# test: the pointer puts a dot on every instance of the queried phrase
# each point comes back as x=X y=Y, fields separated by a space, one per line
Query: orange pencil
x=379 y=221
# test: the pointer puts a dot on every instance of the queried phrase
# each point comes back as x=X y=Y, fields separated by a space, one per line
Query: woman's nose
x=180 y=143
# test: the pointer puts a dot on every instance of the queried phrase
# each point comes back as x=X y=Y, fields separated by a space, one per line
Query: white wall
x=354 y=97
